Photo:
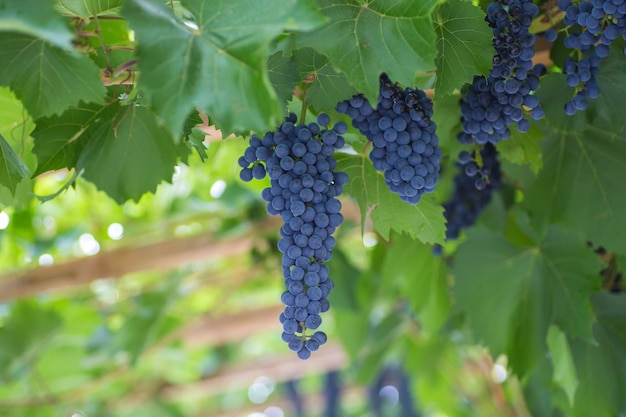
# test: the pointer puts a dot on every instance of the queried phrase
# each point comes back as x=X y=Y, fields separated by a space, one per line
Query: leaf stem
x=303 y=111
x=44 y=198
x=101 y=38
x=124 y=67
x=172 y=6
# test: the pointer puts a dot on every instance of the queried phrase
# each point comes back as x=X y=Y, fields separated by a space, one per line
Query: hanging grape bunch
x=405 y=144
x=471 y=195
x=490 y=105
x=592 y=26
x=298 y=158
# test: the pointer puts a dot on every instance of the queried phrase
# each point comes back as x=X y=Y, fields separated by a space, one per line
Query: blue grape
x=403 y=136
x=550 y=35
x=303 y=190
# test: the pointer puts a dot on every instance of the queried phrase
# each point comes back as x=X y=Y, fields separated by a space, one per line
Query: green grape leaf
x=12 y=169
x=564 y=368
x=130 y=140
x=46 y=79
x=196 y=142
x=464 y=45
x=601 y=368
x=89 y=8
x=218 y=59
x=35 y=18
x=423 y=280
x=60 y=139
x=523 y=148
x=364 y=40
x=329 y=86
x=27 y=331
x=15 y=122
x=514 y=292
x=612 y=83
x=423 y=221
x=553 y=93
x=581 y=182
x=119 y=147
x=283 y=75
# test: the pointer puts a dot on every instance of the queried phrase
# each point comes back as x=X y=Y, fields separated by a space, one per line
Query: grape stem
x=366 y=146
x=98 y=33
x=303 y=111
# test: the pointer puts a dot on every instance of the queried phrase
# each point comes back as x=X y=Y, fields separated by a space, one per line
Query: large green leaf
x=514 y=292
x=564 y=369
x=422 y=280
x=553 y=93
x=15 y=122
x=581 y=184
x=16 y=126
x=60 y=139
x=464 y=45
x=130 y=158
x=423 y=221
x=218 y=62
x=12 y=169
x=35 y=18
x=329 y=87
x=612 y=83
x=601 y=368
x=119 y=147
x=48 y=80
x=523 y=148
x=88 y=8
x=283 y=75
x=365 y=39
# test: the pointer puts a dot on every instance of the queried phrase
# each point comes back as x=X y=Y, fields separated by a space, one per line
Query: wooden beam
x=119 y=262
x=212 y=331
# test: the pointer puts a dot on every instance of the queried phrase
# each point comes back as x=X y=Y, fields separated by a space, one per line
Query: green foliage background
x=99 y=103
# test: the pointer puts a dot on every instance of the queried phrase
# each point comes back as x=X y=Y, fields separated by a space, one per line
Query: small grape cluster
x=303 y=190
x=405 y=143
x=473 y=188
x=491 y=104
x=593 y=26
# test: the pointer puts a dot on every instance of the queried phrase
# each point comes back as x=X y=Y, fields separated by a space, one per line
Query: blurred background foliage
x=201 y=337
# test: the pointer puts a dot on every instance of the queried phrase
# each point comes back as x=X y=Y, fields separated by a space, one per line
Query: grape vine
x=450 y=109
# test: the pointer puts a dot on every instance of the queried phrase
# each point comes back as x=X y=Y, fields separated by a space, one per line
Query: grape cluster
x=405 y=145
x=299 y=161
x=593 y=26
x=491 y=104
x=473 y=188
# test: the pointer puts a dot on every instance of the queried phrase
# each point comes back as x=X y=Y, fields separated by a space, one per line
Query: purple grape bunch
x=473 y=189
x=592 y=28
x=405 y=143
x=490 y=105
x=298 y=158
